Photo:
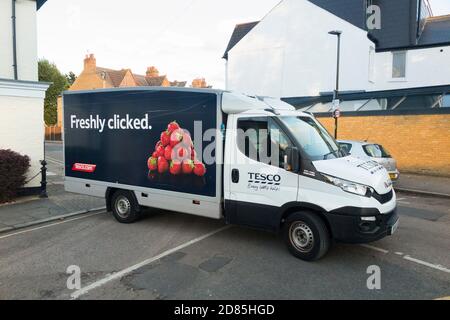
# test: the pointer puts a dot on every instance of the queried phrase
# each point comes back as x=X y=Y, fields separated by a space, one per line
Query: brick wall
x=419 y=143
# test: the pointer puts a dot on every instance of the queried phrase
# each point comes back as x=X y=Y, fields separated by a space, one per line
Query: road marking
x=54 y=161
x=409 y=258
x=427 y=264
x=374 y=248
x=120 y=274
x=49 y=225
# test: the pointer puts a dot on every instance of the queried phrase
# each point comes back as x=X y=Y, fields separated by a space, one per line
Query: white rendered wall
x=290 y=53
x=26 y=36
x=22 y=122
x=424 y=68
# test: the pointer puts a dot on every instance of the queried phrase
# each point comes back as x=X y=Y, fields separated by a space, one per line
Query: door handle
x=235 y=176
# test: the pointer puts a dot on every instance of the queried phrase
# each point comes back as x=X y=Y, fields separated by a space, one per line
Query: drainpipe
x=13 y=19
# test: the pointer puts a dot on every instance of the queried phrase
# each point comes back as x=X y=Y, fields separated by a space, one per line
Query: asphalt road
x=175 y=256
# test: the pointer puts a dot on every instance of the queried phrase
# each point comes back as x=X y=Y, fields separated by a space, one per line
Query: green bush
x=13 y=168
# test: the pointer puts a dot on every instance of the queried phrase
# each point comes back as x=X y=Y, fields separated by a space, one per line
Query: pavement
x=29 y=211
x=426 y=185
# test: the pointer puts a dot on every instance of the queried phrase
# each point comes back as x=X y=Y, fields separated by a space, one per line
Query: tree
x=48 y=72
x=71 y=77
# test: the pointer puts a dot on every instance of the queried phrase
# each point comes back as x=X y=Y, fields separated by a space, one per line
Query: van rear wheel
x=124 y=207
x=306 y=236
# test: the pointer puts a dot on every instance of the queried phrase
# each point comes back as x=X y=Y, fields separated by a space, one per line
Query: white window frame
x=399 y=79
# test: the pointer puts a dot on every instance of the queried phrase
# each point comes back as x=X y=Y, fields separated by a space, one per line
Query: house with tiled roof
x=95 y=77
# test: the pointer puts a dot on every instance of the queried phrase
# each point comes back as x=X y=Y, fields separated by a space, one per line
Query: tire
x=306 y=236
x=124 y=207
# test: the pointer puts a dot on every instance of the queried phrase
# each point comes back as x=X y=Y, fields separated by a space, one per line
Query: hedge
x=13 y=169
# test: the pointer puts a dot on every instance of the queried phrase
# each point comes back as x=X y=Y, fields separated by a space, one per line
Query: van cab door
x=258 y=181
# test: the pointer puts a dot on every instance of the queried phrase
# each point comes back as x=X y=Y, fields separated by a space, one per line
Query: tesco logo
x=82 y=167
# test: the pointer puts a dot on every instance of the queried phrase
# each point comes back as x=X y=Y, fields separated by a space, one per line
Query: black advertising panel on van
x=145 y=138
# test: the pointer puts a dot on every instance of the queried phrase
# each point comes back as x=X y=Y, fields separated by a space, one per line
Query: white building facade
x=21 y=95
x=290 y=53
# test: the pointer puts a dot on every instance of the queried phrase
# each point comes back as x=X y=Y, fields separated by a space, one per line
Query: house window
x=372 y=64
x=399 y=65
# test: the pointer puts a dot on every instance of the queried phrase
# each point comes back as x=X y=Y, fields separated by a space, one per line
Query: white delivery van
x=252 y=161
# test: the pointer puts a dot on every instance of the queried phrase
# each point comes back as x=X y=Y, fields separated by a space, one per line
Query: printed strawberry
x=160 y=151
x=199 y=169
x=152 y=164
x=155 y=155
x=165 y=138
x=158 y=144
x=176 y=137
x=172 y=127
x=175 y=167
x=187 y=141
x=180 y=152
x=163 y=165
x=168 y=153
x=193 y=154
x=188 y=166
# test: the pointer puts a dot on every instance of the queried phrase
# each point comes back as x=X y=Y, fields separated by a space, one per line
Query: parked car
x=372 y=151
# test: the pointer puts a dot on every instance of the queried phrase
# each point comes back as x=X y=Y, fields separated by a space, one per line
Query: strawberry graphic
x=163 y=165
x=193 y=154
x=176 y=137
x=188 y=166
x=165 y=138
x=160 y=151
x=199 y=169
x=152 y=164
x=187 y=141
x=180 y=152
x=175 y=167
x=172 y=127
x=168 y=153
x=155 y=155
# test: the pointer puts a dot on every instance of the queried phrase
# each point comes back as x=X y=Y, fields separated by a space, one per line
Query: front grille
x=384 y=198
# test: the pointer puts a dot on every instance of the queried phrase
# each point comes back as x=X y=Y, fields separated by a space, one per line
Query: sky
x=184 y=39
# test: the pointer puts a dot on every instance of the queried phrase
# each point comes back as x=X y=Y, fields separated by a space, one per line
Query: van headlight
x=349 y=186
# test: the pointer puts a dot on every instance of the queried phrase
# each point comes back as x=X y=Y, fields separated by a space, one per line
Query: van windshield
x=313 y=138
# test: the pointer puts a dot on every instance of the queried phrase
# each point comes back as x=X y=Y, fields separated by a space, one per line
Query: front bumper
x=348 y=226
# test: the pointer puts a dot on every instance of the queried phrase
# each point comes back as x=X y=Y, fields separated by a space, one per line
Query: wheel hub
x=123 y=207
x=301 y=236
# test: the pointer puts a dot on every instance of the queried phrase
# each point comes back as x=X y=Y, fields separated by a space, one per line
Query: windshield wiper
x=335 y=152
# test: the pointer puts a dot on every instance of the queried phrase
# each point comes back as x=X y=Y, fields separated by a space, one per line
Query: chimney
x=152 y=72
x=90 y=63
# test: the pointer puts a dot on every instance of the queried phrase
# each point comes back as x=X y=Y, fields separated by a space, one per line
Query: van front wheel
x=306 y=236
x=124 y=207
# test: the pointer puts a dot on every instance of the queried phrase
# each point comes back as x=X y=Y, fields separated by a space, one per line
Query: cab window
x=261 y=139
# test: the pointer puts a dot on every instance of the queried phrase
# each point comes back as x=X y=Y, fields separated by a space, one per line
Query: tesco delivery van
x=252 y=161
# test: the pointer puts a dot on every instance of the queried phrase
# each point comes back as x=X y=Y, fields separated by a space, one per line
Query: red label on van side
x=82 y=167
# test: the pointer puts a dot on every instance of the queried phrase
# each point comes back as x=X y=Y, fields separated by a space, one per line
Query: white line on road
x=374 y=248
x=120 y=274
x=49 y=225
x=427 y=264
x=409 y=258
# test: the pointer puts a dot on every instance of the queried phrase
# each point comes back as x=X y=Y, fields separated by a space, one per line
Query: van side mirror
x=293 y=159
